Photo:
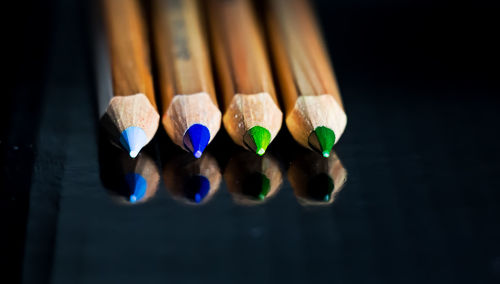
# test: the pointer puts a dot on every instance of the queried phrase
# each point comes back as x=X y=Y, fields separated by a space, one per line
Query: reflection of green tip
x=326 y=139
x=261 y=137
x=256 y=186
x=320 y=187
x=266 y=186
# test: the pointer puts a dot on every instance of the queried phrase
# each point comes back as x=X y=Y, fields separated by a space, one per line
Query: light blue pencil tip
x=133 y=139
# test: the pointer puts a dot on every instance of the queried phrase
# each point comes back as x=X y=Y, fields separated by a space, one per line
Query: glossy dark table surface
x=421 y=203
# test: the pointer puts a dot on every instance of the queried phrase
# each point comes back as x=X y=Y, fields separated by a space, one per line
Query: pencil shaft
x=239 y=49
x=181 y=50
x=131 y=116
x=248 y=93
x=190 y=113
x=130 y=63
x=314 y=110
x=298 y=40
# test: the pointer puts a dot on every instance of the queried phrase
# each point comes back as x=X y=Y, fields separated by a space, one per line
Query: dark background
x=421 y=204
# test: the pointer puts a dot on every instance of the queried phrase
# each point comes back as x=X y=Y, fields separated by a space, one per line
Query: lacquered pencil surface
x=314 y=110
x=190 y=113
x=248 y=94
x=131 y=113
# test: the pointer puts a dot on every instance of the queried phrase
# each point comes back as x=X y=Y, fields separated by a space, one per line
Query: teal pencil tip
x=258 y=139
x=133 y=139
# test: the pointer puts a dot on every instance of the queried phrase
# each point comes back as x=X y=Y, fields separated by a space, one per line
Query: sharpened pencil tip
x=133 y=154
x=196 y=139
x=197 y=154
x=258 y=139
x=322 y=140
x=137 y=186
x=133 y=139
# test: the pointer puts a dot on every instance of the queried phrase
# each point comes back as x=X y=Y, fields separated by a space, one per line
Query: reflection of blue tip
x=133 y=139
x=197 y=188
x=196 y=139
x=137 y=186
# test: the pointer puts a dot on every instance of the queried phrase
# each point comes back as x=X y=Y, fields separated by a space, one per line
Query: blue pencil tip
x=137 y=186
x=196 y=139
x=133 y=139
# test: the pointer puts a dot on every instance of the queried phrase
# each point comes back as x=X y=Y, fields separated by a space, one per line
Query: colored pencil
x=314 y=112
x=315 y=180
x=128 y=109
x=252 y=179
x=251 y=113
x=191 y=116
x=129 y=180
x=192 y=181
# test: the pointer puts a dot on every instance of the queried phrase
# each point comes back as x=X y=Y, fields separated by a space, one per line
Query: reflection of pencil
x=251 y=114
x=315 y=180
x=190 y=113
x=314 y=111
x=192 y=181
x=128 y=112
x=135 y=180
x=251 y=179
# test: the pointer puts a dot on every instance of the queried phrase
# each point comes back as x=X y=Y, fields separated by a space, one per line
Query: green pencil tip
x=322 y=140
x=257 y=139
